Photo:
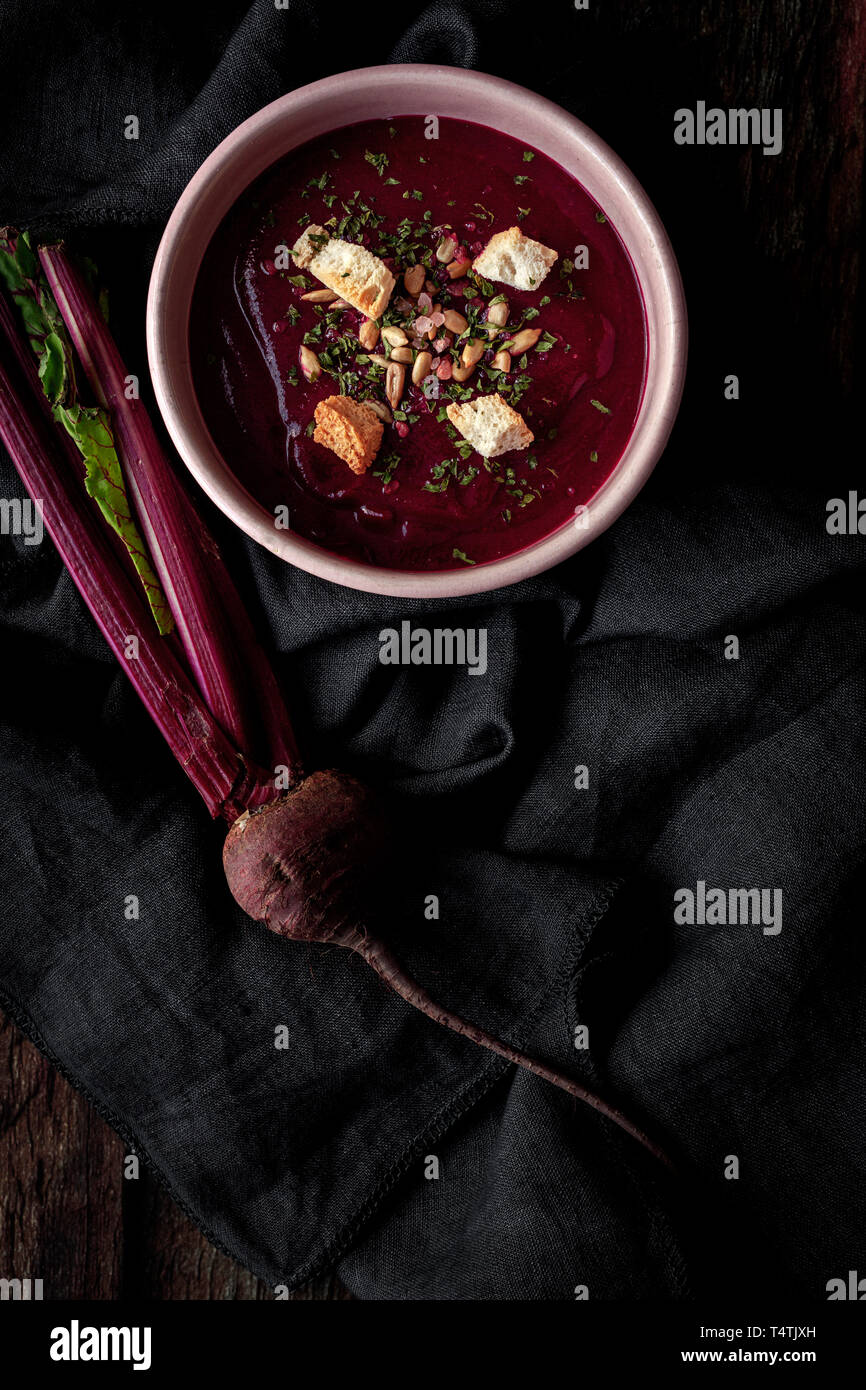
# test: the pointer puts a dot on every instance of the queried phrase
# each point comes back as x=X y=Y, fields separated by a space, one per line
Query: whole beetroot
x=303 y=865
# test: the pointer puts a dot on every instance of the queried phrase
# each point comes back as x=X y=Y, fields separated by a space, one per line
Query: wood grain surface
x=67 y=1215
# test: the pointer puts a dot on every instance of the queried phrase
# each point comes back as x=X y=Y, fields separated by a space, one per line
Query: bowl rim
x=171 y=287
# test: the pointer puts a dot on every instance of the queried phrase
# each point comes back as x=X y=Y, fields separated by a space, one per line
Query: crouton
x=490 y=425
x=514 y=259
x=351 y=271
x=308 y=245
x=351 y=429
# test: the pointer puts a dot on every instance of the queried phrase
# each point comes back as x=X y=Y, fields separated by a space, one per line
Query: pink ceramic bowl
x=413 y=89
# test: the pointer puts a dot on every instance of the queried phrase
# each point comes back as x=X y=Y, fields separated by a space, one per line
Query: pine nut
x=498 y=313
x=458 y=268
x=454 y=322
x=502 y=361
x=395 y=380
x=462 y=373
x=473 y=351
x=379 y=408
x=413 y=279
x=377 y=359
x=309 y=364
x=394 y=335
x=368 y=334
x=340 y=304
x=445 y=250
x=523 y=341
x=320 y=297
x=423 y=363
x=401 y=354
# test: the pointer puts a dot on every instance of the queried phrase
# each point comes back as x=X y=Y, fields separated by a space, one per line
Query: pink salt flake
x=423 y=324
x=425 y=303
x=443 y=368
x=440 y=344
x=402 y=429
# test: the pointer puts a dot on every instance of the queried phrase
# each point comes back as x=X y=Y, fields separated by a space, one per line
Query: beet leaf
x=88 y=426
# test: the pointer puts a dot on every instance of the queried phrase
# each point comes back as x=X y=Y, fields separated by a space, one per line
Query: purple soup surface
x=428 y=502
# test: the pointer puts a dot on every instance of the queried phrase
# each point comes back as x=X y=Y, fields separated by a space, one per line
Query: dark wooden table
x=66 y=1212
x=70 y=1217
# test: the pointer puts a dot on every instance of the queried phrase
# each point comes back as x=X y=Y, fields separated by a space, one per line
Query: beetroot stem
x=225 y=658
x=206 y=755
x=388 y=968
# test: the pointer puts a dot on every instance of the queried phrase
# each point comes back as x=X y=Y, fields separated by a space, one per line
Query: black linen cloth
x=556 y=903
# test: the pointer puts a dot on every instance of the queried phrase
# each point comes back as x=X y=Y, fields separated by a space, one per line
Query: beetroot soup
x=394 y=476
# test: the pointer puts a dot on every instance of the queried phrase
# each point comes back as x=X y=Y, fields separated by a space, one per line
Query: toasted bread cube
x=350 y=429
x=514 y=259
x=490 y=425
x=351 y=271
x=308 y=245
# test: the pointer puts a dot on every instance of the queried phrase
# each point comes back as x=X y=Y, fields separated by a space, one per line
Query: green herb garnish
x=378 y=161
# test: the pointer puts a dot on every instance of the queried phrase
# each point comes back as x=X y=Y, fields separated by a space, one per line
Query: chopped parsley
x=545 y=342
x=378 y=161
x=527 y=155
x=441 y=474
x=518 y=488
x=461 y=555
x=390 y=464
x=598 y=405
